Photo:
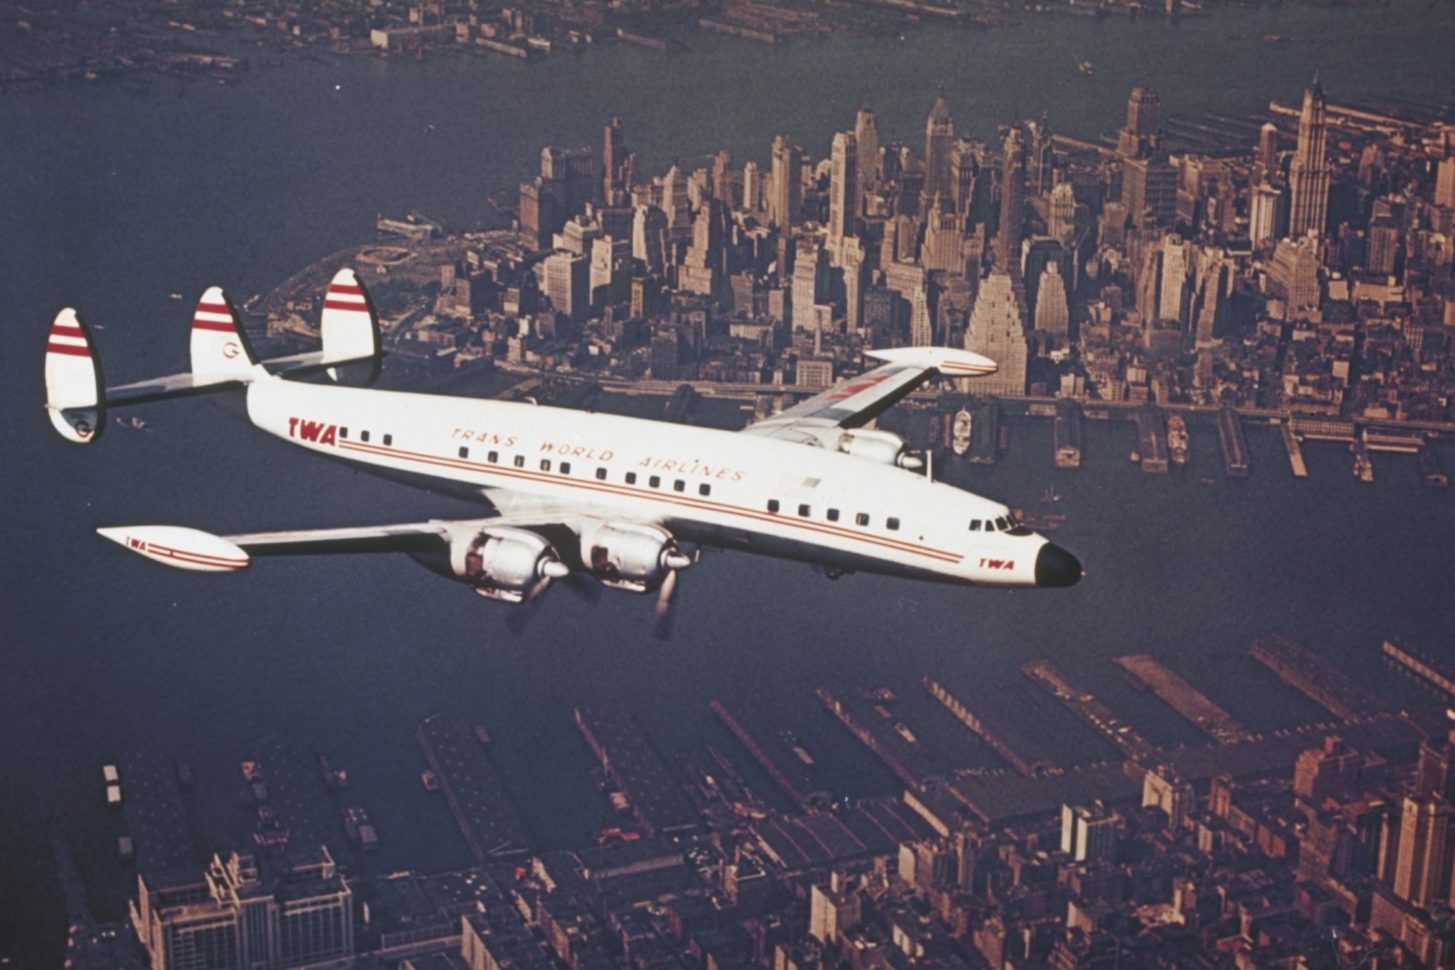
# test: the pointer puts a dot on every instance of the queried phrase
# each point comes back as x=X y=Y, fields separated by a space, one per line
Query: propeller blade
x=666 y=606
x=519 y=616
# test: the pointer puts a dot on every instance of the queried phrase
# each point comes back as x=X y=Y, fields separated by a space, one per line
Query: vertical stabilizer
x=350 y=330
x=220 y=349
x=74 y=388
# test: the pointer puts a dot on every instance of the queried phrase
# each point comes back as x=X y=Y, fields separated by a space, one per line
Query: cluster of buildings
x=1312 y=275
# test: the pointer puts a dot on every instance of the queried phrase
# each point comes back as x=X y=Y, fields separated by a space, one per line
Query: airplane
x=592 y=499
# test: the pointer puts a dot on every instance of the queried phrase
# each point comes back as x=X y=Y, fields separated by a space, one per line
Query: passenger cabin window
x=772 y=505
x=520 y=461
x=565 y=468
x=493 y=457
x=601 y=474
x=861 y=519
x=464 y=452
x=343 y=432
x=803 y=510
x=704 y=489
x=631 y=478
x=679 y=486
x=892 y=523
x=389 y=439
x=363 y=436
x=833 y=515
x=655 y=481
x=545 y=464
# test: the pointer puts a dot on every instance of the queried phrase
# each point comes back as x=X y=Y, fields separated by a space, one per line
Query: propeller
x=666 y=606
x=519 y=616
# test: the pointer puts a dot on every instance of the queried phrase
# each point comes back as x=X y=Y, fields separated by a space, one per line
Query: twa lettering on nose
x=997 y=564
x=315 y=431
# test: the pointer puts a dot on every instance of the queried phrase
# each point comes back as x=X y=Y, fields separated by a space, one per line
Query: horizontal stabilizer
x=947 y=360
x=180 y=547
x=73 y=381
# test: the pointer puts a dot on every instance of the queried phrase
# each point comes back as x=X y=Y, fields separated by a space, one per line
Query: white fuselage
x=720 y=488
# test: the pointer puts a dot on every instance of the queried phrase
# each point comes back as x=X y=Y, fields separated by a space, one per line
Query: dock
x=1315 y=677
x=488 y=819
x=1185 y=699
x=776 y=752
x=1085 y=706
x=985 y=728
x=1295 y=450
x=1067 y=434
x=1432 y=472
x=1363 y=464
x=627 y=758
x=1421 y=666
x=1234 y=445
x=1151 y=440
x=875 y=732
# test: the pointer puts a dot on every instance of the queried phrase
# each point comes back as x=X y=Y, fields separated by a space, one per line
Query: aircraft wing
x=855 y=401
x=194 y=549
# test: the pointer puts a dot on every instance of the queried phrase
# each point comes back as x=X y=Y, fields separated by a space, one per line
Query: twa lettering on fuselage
x=997 y=564
x=484 y=437
x=683 y=466
x=318 y=432
x=576 y=451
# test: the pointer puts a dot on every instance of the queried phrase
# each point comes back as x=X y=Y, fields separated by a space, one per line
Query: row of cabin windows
x=861 y=519
x=564 y=468
x=364 y=436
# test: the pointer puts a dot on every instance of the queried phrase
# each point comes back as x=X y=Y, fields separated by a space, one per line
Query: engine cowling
x=633 y=557
x=881 y=446
x=505 y=563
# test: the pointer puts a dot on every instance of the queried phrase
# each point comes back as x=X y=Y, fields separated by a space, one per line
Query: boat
x=175 y=296
x=429 y=780
x=359 y=829
x=1050 y=496
x=1086 y=67
x=1177 y=439
x=251 y=771
x=1277 y=39
x=960 y=431
x=333 y=778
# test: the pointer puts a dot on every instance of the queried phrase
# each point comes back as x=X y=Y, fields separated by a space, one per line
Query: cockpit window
x=989 y=526
x=974 y=525
x=1002 y=524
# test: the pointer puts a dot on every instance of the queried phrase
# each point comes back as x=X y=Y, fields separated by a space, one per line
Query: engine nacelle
x=881 y=446
x=504 y=563
x=625 y=555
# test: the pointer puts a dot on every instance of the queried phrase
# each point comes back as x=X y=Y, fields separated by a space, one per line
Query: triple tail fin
x=75 y=390
x=350 y=330
x=221 y=353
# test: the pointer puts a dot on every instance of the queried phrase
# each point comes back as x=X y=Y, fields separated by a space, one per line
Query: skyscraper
x=998 y=331
x=1012 y=204
x=939 y=133
x=941 y=250
x=1139 y=138
x=1422 y=870
x=1308 y=174
x=866 y=135
x=1063 y=212
x=785 y=194
x=1053 y=316
x=843 y=191
x=614 y=165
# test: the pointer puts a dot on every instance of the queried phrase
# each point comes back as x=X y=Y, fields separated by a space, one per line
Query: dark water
x=113 y=200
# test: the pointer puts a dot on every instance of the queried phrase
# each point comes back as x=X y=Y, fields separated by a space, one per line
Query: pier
x=775 y=753
x=1315 y=677
x=1295 y=450
x=1151 y=441
x=487 y=818
x=1363 y=464
x=1234 y=445
x=1420 y=666
x=874 y=730
x=1085 y=706
x=991 y=733
x=1185 y=699
x=1068 y=434
x=628 y=759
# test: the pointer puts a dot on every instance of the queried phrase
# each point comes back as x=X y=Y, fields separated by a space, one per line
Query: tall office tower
x=1445 y=183
x=1012 y=204
x=1308 y=174
x=1040 y=160
x=1088 y=833
x=866 y=136
x=1294 y=271
x=722 y=177
x=911 y=282
x=614 y=165
x=939 y=133
x=942 y=249
x=675 y=203
x=1436 y=772
x=1214 y=284
x=1149 y=192
x=752 y=187
x=966 y=157
x=1265 y=214
x=1384 y=246
x=1063 y=212
x=853 y=259
x=998 y=331
x=1139 y=138
x=1053 y=315
x=1172 y=293
x=1266 y=158
x=568 y=284
x=575 y=170
x=787 y=188
x=1422 y=869
x=843 y=192
x=808 y=274
x=649 y=238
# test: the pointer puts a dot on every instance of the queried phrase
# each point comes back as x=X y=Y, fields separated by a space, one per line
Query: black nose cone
x=1056 y=567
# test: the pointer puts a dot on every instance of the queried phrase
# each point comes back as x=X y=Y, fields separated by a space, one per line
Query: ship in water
x=960 y=431
x=359 y=829
x=1177 y=439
